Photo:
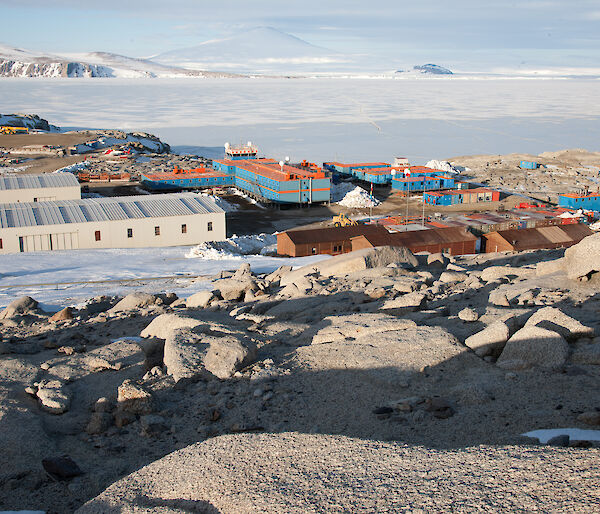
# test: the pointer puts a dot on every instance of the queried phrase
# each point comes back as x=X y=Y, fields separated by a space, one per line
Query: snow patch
x=445 y=166
x=234 y=247
x=357 y=198
x=73 y=167
x=575 y=434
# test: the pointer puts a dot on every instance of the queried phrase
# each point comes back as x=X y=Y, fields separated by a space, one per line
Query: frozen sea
x=315 y=119
x=328 y=119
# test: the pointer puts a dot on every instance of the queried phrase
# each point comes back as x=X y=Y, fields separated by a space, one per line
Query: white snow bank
x=237 y=192
x=78 y=166
x=234 y=247
x=357 y=198
x=68 y=277
x=575 y=434
x=577 y=214
x=338 y=191
x=445 y=166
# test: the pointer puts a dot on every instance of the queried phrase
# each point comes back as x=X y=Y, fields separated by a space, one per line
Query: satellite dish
x=226 y=145
x=249 y=143
x=281 y=163
x=287 y=159
x=393 y=172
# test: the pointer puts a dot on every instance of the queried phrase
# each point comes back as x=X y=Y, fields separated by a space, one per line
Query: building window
x=313 y=251
x=129 y=232
x=97 y=235
x=1 y=246
x=209 y=226
x=35 y=199
x=157 y=231
x=184 y=228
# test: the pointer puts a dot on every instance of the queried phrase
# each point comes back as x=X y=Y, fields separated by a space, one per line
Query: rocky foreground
x=376 y=380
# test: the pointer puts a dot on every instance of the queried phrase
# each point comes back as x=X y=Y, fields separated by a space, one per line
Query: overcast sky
x=449 y=32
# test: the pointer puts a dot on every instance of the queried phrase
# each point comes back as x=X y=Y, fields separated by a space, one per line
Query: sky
x=458 y=33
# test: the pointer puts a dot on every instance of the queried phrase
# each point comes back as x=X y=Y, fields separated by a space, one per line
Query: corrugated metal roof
x=416 y=238
x=104 y=209
x=543 y=237
x=332 y=234
x=38 y=181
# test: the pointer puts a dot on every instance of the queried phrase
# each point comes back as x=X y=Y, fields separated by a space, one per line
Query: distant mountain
x=16 y=62
x=427 y=69
x=260 y=50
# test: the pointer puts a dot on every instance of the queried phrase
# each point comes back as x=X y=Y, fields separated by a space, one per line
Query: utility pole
x=423 y=216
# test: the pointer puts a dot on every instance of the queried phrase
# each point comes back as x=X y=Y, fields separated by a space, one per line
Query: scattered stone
x=162 y=325
x=53 y=397
x=468 y=315
x=123 y=418
x=439 y=407
x=498 y=298
x=491 y=339
x=99 y=423
x=449 y=277
x=549 y=267
x=583 y=259
x=493 y=273
x=183 y=354
x=62 y=315
x=553 y=319
x=23 y=305
x=136 y=301
x=133 y=398
x=534 y=346
x=407 y=404
x=226 y=355
x=561 y=440
x=103 y=405
x=437 y=260
x=61 y=468
x=410 y=302
x=200 y=300
x=153 y=425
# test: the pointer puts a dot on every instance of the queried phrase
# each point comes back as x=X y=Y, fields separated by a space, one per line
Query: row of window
x=98 y=235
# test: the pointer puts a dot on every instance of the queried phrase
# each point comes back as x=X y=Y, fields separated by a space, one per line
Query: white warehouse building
x=48 y=187
x=119 y=222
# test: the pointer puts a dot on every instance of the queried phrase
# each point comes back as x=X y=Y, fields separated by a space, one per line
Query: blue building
x=590 y=202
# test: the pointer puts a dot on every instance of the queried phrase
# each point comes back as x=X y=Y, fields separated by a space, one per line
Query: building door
x=305 y=194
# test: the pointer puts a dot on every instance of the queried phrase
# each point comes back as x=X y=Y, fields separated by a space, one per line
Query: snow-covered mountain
x=17 y=62
x=123 y=66
x=260 y=50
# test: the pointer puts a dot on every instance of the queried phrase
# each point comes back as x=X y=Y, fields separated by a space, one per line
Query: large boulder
x=183 y=354
x=134 y=301
x=358 y=260
x=296 y=473
x=410 y=302
x=583 y=259
x=236 y=288
x=492 y=338
x=191 y=355
x=200 y=300
x=23 y=305
x=534 y=346
x=492 y=273
x=226 y=355
x=553 y=319
x=134 y=398
x=162 y=325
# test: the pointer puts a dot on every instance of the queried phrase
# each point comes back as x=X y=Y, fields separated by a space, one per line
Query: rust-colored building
x=332 y=240
x=561 y=236
x=452 y=240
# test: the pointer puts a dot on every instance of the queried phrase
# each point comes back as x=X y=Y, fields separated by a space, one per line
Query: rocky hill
x=372 y=380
